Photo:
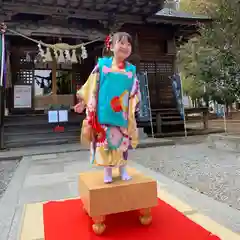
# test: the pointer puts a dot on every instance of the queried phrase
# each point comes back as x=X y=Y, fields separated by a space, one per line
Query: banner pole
x=2 y=91
x=183 y=109
x=149 y=105
x=224 y=118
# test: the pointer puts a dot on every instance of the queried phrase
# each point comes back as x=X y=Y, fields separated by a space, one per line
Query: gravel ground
x=214 y=173
x=7 y=169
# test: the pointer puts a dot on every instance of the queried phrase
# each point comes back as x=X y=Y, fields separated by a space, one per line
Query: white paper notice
x=63 y=115
x=52 y=116
x=22 y=96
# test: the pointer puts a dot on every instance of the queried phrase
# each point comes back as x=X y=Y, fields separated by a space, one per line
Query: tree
x=195 y=6
x=192 y=61
x=212 y=62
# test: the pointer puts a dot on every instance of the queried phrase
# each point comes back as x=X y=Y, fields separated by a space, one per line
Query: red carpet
x=67 y=221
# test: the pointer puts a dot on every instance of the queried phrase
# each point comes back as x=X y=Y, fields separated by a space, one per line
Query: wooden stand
x=101 y=199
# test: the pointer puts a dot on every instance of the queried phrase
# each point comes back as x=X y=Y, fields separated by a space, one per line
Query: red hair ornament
x=108 y=41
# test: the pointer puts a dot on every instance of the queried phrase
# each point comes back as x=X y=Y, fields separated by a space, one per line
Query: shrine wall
x=154 y=52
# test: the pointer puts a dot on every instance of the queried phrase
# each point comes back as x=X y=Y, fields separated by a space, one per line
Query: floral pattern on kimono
x=109 y=145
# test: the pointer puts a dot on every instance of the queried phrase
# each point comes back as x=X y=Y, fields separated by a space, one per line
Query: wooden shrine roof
x=167 y=12
x=88 y=19
x=186 y=25
x=47 y=29
x=167 y=15
x=130 y=10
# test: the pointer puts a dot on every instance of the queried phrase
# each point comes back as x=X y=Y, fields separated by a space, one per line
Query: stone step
x=14 y=126
x=36 y=131
x=170 y=109
x=44 y=140
x=43 y=118
x=174 y=117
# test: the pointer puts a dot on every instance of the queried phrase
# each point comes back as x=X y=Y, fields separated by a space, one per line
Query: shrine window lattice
x=156 y=67
x=25 y=77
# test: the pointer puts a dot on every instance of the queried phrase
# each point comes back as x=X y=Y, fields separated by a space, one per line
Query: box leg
x=98 y=226
x=145 y=216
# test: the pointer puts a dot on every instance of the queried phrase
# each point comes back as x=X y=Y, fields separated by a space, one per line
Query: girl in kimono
x=111 y=96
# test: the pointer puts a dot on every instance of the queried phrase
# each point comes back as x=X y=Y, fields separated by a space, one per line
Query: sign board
x=220 y=110
x=63 y=115
x=53 y=116
x=144 y=114
x=57 y=116
x=22 y=96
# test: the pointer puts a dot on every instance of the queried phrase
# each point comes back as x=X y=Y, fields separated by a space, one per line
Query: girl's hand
x=79 y=108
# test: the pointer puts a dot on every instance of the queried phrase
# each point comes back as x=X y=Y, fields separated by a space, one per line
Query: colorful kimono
x=112 y=97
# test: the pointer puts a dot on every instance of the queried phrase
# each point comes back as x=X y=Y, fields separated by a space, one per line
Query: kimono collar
x=121 y=65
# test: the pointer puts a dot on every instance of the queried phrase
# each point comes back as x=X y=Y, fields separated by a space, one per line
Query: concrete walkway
x=73 y=147
x=54 y=176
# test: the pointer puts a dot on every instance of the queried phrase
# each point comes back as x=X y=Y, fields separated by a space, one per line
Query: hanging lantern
x=74 y=56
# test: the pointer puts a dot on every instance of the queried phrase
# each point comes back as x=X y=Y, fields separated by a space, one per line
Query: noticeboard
x=57 y=116
x=22 y=96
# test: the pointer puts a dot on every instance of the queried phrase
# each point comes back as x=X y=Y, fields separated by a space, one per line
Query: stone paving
x=74 y=147
x=212 y=172
x=54 y=176
x=7 y=169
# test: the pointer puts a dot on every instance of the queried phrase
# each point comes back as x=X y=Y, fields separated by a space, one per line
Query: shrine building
x=33 y=86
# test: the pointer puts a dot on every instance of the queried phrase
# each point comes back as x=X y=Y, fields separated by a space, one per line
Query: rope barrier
x=61 y=51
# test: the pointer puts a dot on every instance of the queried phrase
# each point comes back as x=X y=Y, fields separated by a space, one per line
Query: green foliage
x=211 y=64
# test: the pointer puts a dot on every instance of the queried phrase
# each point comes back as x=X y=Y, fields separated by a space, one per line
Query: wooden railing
x=172 y=117
x=196 y=115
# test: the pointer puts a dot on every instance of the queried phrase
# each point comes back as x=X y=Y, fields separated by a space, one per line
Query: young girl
x=111 y=96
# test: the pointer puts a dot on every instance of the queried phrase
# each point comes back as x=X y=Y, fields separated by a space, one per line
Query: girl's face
x=122 y=48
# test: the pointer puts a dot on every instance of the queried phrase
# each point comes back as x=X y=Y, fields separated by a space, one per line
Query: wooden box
x=101 y=199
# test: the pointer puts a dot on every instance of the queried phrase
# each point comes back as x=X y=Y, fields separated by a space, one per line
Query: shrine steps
x=40 y=142
x=34 y=130
x=171 y=122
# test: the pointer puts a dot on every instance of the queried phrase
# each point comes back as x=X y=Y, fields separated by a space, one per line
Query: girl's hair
x=117 y=37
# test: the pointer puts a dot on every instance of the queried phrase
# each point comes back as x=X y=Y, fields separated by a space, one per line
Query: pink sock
x=107 y=174
x=123 y=173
